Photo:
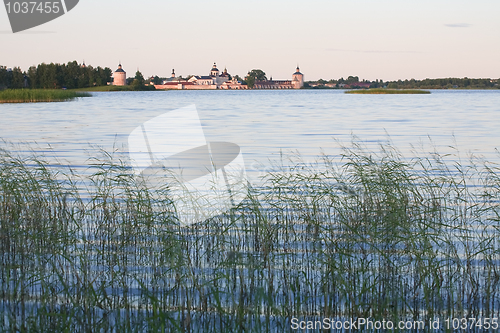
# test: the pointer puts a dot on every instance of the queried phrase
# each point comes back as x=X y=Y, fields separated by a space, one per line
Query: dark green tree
x=32 y=77
x=50 y=77
x=71 y=75
x=139 y=83
x=3 y=78
x=139 y=79
x=352 y=79
x=102 y=76
x=84 y=78
x=157 y=80
x=91 y=76
x=257 y=74
x=250 y=81
x=17 y=78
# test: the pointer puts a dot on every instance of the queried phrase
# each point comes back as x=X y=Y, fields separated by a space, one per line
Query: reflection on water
x=263 y=123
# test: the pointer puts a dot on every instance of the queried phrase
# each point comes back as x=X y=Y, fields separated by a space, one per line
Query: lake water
x=260 y=263
x=263 y=123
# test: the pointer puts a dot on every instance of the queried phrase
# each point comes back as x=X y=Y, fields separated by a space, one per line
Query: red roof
x=176 y=83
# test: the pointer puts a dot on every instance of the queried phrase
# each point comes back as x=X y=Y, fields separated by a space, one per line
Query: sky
x=371 y=39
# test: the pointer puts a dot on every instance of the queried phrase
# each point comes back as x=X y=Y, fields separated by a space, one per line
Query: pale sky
x=372 y=39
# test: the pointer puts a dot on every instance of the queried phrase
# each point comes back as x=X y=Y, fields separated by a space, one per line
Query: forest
x=54 y=76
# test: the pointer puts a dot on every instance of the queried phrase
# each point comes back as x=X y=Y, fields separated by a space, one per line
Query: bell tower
x=214 y=72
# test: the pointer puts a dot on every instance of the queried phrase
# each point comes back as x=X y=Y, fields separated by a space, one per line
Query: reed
x=38 y=95
x=374 y=234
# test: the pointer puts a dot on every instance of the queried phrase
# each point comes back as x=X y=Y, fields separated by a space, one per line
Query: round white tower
x=297 y=79
x=120 y=77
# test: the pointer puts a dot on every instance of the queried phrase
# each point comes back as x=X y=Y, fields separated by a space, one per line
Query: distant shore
x=346 y=90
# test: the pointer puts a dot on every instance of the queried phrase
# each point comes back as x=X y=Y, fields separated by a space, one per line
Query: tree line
x=443 y=83
x=54 y=76
x=73 y=75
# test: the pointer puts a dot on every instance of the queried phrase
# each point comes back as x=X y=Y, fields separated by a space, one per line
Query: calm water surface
x=264 y=123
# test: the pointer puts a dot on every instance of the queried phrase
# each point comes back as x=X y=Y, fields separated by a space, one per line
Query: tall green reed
x=39 y=95
x=373 y=234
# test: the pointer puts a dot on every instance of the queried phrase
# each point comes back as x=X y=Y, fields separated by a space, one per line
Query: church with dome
x=217 y=80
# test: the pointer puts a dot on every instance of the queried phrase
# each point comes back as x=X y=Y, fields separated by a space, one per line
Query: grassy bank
x=38 y=95
x=372 y=235
x=377 y=91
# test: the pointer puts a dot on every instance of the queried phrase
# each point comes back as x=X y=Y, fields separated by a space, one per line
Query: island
x=385 y=91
